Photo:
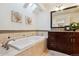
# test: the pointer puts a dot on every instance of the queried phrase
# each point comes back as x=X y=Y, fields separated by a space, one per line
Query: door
x=51 y=41
x=60 y=41
x=63 y=42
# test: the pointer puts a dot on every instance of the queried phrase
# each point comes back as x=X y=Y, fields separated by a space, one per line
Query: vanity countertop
x=61 y=30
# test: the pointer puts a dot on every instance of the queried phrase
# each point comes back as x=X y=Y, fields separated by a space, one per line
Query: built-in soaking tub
x=26 y=42
x=26 y=45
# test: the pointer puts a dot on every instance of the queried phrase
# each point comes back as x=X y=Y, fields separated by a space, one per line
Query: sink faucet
x=5 y=45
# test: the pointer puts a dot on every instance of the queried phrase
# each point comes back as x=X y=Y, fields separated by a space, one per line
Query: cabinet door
x=51 y=42
x=76 y=43
x=63 y=42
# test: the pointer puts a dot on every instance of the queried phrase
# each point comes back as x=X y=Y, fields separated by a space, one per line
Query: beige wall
x=5 y=17
x=40 y=21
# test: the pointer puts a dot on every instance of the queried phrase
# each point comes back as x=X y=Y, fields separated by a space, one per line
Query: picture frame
x=28 y=20
x=16 y=17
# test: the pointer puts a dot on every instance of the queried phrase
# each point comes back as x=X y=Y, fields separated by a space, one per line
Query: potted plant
x=74 y=26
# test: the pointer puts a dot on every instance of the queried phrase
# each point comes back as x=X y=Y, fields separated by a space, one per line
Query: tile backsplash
x=57 y=29
x=42 y=33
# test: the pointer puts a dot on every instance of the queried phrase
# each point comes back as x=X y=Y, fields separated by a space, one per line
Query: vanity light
x=56 y=9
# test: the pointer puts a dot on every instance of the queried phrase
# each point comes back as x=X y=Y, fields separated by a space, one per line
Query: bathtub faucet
x=5 y=45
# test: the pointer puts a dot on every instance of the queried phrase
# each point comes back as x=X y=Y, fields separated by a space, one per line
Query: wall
x=5 y=17
x=43 y=20
x=40 y=21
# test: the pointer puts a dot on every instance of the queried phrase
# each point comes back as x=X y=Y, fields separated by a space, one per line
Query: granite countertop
x=61 y=30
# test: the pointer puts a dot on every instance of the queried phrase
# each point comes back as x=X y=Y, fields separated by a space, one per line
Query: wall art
x=28 y=20
x=16 y=17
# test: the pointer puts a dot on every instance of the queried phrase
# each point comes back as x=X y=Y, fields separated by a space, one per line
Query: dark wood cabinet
x=66 y=42
x=76 y=43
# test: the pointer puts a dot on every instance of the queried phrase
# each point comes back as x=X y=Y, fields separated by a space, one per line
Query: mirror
x=65 y=17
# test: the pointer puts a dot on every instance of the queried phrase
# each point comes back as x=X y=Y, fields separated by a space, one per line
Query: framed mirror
x=62 y=18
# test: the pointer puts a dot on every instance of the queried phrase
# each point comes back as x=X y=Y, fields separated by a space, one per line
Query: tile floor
x=55 y=53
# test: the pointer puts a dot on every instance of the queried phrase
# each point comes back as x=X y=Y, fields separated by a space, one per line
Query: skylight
x=33 y=6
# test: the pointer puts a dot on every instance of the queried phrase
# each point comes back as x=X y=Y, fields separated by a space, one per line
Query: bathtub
x=19 y=45
x=26 y=42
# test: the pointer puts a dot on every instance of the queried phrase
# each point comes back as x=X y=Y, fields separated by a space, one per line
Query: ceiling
x=56 y=6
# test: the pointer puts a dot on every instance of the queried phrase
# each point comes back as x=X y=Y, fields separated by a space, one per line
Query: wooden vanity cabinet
x=51 y=41
x=76 y=44
x=66 y=42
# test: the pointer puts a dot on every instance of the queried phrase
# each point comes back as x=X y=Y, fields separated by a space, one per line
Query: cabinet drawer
x=51 y=46
x=51 y=39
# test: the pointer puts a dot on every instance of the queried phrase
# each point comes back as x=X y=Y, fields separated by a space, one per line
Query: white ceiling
x=54 y=6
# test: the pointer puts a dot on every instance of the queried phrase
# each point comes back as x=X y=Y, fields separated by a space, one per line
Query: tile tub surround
x=19 y=34
x=32 y=49
x=37 y=43
x=4 y=36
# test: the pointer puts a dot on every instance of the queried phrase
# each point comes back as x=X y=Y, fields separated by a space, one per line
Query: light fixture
x=59 y=7
x=34 y=7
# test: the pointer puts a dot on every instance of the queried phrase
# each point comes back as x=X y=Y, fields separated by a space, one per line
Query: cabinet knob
x=73 y=40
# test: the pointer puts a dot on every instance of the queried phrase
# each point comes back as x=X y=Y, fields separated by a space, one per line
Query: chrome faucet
x=5 y=45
